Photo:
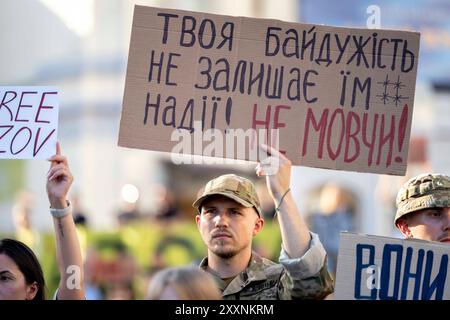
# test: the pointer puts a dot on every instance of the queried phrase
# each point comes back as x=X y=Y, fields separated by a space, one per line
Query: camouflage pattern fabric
x=266 y=280
x=423 y=192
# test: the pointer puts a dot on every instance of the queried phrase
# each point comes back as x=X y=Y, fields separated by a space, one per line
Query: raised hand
x=59 y=180
x=277 y=169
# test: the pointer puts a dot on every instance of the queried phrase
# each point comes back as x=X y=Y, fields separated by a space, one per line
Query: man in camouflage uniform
x=229 y=216
x=423 y=208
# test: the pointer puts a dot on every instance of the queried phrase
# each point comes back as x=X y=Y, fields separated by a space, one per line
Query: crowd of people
x=228 y=217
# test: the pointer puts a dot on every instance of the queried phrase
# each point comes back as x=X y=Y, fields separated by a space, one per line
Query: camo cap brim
x=198 y=203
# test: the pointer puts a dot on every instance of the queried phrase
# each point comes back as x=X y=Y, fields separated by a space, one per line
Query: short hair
x=26 y=261
x=189 y=282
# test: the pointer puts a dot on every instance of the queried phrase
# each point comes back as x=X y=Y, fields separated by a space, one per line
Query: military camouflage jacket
x=302 y=278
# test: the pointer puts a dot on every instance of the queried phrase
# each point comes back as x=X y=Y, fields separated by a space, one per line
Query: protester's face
x=226 y=226
x=12 y=281
x=430 y=224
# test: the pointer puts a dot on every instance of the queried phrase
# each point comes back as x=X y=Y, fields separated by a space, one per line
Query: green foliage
x=11 y=178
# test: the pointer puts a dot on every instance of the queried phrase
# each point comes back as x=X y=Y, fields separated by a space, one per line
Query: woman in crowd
x=21 y=276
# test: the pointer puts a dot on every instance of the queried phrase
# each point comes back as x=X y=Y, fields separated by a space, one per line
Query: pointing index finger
x=58 y=148
x=57 y=158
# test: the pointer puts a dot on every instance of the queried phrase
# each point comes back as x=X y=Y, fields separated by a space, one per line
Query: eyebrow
x=5 y=272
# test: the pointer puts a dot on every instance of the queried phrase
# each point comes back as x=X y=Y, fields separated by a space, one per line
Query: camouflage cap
x=423 y=192
x=234 y=187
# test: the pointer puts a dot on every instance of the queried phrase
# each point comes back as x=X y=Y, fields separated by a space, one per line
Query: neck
x=229 y=267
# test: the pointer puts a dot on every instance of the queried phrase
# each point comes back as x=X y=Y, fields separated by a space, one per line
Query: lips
x=446 y=240
x=221 y=235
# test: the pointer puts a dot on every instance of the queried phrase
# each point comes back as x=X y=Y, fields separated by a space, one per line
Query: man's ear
x=402 y=225
x=197 y=220
x=32 y=290
x=259 y=224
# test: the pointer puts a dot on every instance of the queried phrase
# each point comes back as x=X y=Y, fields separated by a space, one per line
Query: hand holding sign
x=59 y=180
x=277 y=169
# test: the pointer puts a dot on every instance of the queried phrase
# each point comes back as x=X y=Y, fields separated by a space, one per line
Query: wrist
x=279 y=190
x=61 y=212
x=281 y=198
x=58 y=203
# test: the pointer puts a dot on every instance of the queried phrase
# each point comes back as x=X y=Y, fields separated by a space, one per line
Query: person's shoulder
x=269 y=267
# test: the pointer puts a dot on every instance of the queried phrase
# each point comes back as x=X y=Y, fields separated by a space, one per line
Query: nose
x=446 y=219
x=220 y=219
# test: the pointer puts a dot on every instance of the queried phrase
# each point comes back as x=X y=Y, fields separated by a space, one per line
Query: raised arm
x=294 y=231
x=303 y=257
x=68 y=251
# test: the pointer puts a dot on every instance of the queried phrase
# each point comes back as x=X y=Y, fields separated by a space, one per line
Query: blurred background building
x=81 y=46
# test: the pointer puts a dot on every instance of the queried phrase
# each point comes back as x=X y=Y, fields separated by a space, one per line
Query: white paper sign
x=382 y=268
x=28 y=122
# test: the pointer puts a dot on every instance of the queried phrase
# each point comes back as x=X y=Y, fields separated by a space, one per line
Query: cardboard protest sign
x=339 y=98
x=28 y=122
x=382 y=268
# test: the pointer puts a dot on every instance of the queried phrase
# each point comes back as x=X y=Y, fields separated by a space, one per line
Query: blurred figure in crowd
x=166 y=207
x=334 y=215
x=182 y=283
x=22 y=211
x=20 y=271
x=91 y=286
x=423 y=208
x=120 y=291
x=266 y=201
x=129 y=213
x=229 y=216
x=79 y=216
x=385 y=192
